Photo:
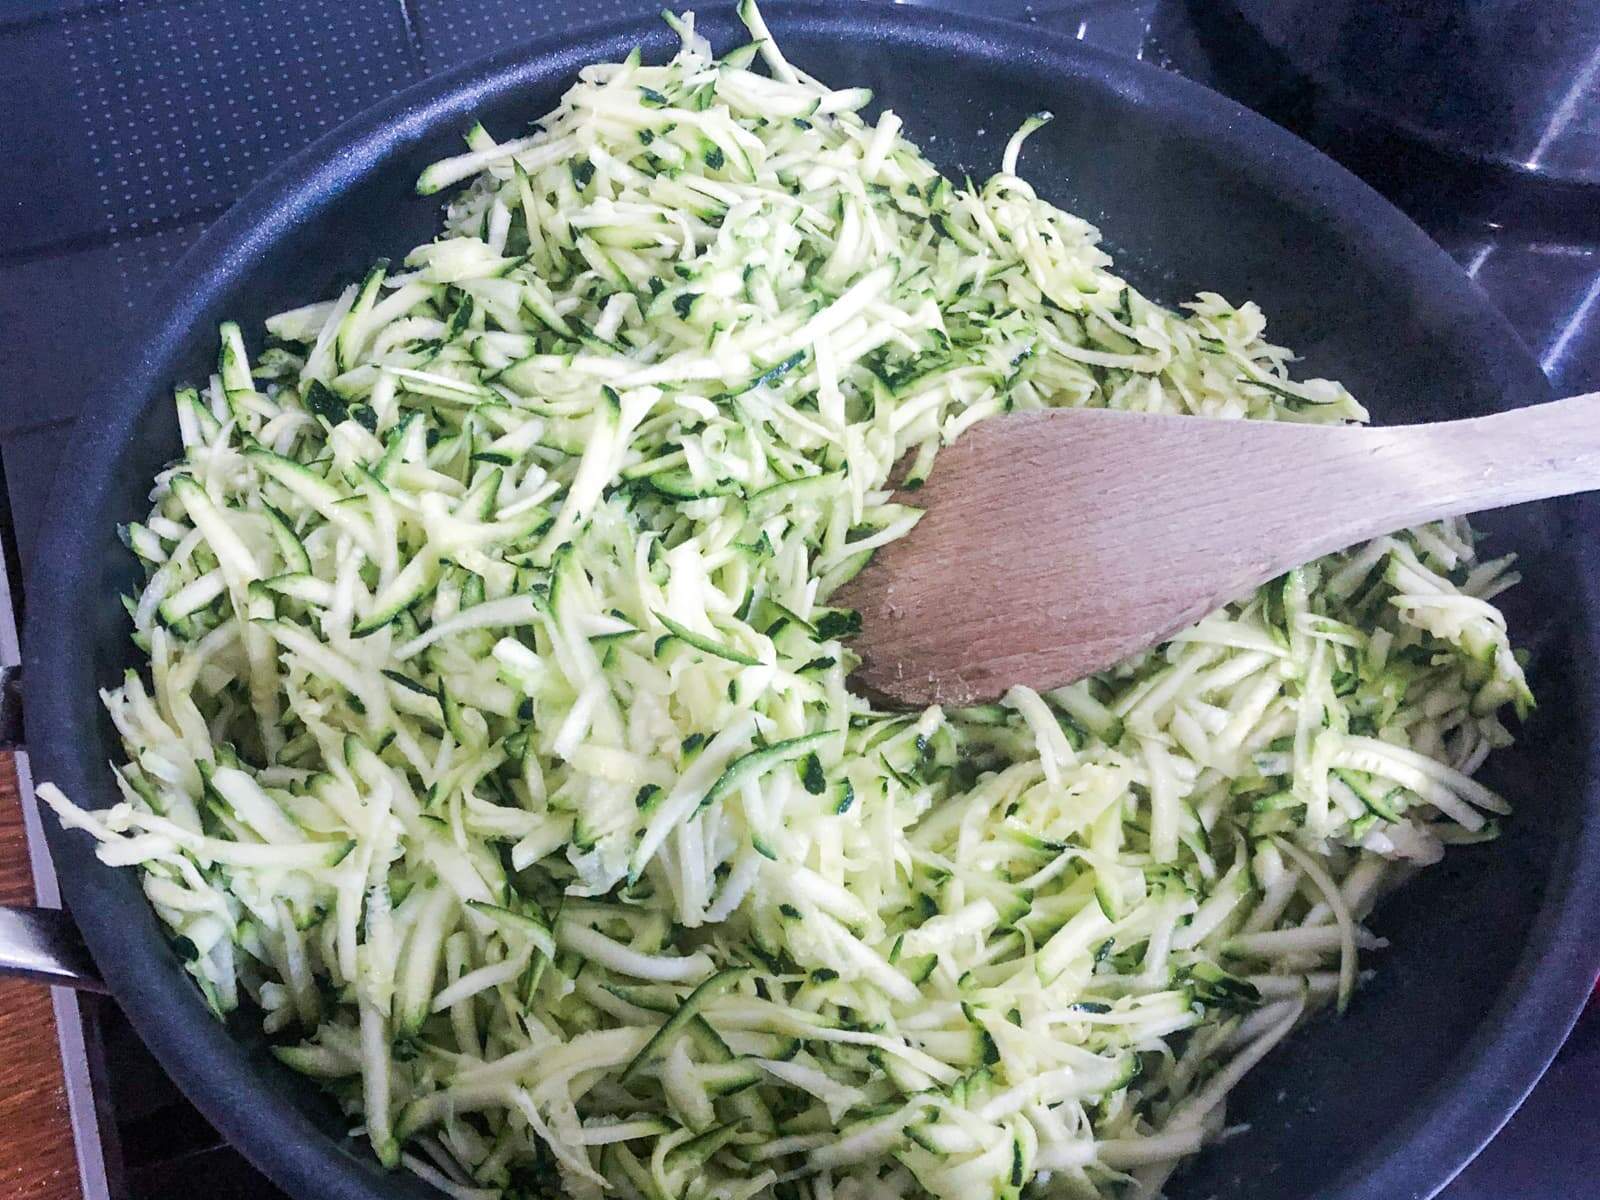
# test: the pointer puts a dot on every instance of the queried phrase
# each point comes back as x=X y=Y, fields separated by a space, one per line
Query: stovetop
x=130 y=126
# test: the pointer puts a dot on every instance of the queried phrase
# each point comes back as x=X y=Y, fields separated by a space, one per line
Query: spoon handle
x=1270 y=496
x=1424 y=472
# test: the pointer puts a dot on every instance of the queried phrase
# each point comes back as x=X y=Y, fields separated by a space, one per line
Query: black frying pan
x=1493 y=951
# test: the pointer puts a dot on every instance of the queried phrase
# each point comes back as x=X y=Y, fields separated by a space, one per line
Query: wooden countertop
x=37 y=1157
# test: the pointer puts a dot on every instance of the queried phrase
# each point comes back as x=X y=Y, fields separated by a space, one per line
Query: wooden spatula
x=1056 y=543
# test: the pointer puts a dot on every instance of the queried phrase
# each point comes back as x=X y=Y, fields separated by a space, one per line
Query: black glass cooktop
x=130 y=126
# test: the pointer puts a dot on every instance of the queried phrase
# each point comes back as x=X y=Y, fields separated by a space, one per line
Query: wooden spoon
x=1057 y=543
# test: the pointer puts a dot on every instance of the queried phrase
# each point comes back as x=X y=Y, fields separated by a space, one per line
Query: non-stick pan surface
x=1492 y=952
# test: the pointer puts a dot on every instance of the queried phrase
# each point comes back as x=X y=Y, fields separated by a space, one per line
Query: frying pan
x=1492 y=952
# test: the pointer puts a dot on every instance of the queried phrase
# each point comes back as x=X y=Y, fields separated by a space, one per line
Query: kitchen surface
x=130 y=127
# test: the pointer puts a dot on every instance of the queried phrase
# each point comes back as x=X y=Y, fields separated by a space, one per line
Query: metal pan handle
x=42 y=944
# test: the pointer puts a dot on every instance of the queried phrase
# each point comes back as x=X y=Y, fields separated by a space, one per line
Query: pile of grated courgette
x=496 y=742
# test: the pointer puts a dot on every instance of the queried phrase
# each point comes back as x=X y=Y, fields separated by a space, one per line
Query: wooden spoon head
x=1053 y=545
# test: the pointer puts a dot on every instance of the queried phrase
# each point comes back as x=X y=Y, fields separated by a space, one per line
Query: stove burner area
x=130 y=126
